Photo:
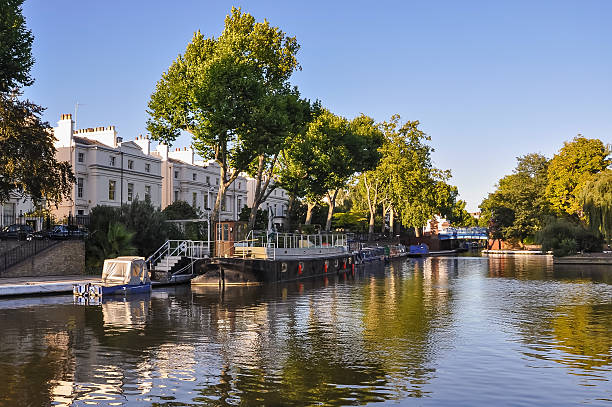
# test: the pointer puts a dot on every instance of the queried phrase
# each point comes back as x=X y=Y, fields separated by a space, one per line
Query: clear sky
x=488 y=80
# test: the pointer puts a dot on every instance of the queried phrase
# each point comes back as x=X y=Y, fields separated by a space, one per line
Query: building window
x=148 y=167
x=130 y=192
x=112 y=186
x=81 y=157
x=207 y=180
x=147 y=191
x=194 y=176
x=130 y=164
x=176 y=174
x=80 y=187
x=194 y=199
x=239 y=204
x=223 y=203
x=217 y=180
x=205 y=201
x=274 y=209
x=80 y=212
x=239 y=185
x=112 y=161
x=176 y=196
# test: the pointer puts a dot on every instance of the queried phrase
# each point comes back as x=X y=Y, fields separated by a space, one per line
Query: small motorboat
x=121 y=275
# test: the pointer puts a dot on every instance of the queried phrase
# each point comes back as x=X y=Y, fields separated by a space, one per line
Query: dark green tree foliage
x=27 y=155
x=115 y=241
x=141 y=219
x=321 y=161
x=261 y=219
x=291 y=117
x=181 y=210
x=459 y=216
x=566 y=237
x=226 y=92
x=148 y=224
x=596 y=200
x=15 y=47
x=518 y=207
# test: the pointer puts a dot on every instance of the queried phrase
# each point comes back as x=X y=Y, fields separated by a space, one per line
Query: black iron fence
x=39 y=223
x=22 y=252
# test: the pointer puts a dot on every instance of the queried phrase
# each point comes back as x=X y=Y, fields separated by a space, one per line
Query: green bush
x=566 y=237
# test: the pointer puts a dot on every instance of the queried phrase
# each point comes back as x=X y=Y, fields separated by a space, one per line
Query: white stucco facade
x=108 y=170
x=197 y=182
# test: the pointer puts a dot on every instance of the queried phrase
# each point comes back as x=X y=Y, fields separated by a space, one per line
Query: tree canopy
x=15 y=47
x=27 y=164
x=571 y=168
x=226 y=92
x=518 y=207
x=418 y=190
x=321 y=160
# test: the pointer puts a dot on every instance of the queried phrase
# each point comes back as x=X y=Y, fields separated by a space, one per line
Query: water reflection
x=404 y=331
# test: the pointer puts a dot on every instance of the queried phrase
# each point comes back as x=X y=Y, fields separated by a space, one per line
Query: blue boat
x=120 y=276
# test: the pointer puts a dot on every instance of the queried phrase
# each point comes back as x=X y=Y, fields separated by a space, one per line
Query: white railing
x=293 y=241
x=193 y=249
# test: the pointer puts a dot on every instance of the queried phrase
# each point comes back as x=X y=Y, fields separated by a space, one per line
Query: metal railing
x=25 y=251
x=293 y=241
x=193 y=249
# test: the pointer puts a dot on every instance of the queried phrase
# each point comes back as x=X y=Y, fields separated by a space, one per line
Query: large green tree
x=418 y=190
x=291 y=117
x=571 y=168
x=27 y=155
x=225 y=92
x=518 y=207
x=320 y=162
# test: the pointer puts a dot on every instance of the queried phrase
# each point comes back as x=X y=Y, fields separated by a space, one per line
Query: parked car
x=67 y=232
x=19 y=232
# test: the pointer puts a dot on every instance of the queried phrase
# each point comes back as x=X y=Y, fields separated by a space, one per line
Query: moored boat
x=121 y=275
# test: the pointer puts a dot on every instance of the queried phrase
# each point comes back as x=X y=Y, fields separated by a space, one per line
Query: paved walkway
x=42 y=285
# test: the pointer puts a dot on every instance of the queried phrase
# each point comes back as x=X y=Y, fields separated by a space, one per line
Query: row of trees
x=233 y=96
x=573 y=187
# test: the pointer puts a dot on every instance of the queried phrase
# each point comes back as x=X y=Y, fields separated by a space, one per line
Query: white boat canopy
x=125 y=270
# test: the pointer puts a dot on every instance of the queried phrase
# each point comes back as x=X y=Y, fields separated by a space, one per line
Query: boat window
x=226 y=232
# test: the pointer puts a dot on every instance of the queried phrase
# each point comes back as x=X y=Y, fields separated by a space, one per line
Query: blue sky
x=488 y=80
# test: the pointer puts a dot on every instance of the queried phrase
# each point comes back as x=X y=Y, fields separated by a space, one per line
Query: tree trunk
x=371 y=226
x=260 y=190
x=392 y=222
x=330 y=212
x=311 y=206
x=418 y=231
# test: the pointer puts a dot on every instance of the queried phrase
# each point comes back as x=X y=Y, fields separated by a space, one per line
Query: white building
x=108 y=170
x=197 y=183
x=16 y=210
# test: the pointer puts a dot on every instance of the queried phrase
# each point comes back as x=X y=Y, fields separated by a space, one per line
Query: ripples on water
x=440 y=331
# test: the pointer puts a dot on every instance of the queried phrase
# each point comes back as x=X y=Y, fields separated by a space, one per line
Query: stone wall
x=65 y=258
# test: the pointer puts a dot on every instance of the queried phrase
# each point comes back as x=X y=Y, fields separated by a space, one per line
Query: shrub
x=566 y=237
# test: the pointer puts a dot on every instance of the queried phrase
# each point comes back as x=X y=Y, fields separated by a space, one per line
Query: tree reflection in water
x=380 y=334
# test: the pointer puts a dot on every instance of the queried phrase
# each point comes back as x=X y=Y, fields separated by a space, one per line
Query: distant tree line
x=564 y=203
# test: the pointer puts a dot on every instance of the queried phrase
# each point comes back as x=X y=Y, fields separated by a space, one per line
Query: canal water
x=465 y=331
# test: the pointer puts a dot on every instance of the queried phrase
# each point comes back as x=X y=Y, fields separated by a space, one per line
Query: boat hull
x=237 y=271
